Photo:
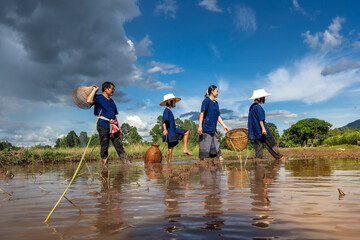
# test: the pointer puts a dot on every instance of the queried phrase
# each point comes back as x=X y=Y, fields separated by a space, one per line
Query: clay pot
x=153 y=154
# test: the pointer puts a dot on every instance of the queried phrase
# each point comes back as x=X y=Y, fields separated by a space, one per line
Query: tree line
x=306 y=132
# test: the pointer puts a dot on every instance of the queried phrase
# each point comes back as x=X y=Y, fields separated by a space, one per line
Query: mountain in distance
x=352 y=125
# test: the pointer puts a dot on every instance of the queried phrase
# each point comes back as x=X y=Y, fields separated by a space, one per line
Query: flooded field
x=298 y=199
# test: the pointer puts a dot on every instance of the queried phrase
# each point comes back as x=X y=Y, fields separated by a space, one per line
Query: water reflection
x=264 y=174
x=210 y=185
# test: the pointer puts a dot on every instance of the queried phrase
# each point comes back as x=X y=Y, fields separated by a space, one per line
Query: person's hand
x=165 y=132
x=200 y=131
x=263 y=131
x=226 y=129
x=96 y=88
x=120 y=130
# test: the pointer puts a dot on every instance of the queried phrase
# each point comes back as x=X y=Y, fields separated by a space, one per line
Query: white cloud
x=298 y=8
x=304 y=81
x=166 y=7
x=142 y=48
x=328 y=39
x=210 y=5
x=281 y=114
x=341 y=66
x=245 y=19
x=291 y=122
x=215 y=50
x=356 y=44
x=164 y=68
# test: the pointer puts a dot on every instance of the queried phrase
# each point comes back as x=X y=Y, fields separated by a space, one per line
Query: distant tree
x=192 y=127
x=306 y=129
x=6 y=146
x=72 y=139
x=83 y=139
x=125 y=127
x=95 y=140
x=274 y=131
x=156 y=131
x=179 y=123
x=133 y=136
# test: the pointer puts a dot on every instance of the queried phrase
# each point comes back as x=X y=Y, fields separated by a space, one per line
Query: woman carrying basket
x=209 y=145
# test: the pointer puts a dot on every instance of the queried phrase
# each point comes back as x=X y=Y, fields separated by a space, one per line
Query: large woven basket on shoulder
x=80 y=95
x=237 y=138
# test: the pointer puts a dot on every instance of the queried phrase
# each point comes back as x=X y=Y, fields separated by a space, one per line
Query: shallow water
x=298 y=199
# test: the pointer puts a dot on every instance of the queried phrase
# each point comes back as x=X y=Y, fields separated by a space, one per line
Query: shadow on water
x=298 y=199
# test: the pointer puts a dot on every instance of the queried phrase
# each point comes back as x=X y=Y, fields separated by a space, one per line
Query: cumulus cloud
x=244 y=19
x=281 y=114
x=291 y=122
x=210 y=5
x=328 y=39
x=164 y=68
x=166 y=7
x=341 y=66
x=143 y=127
x=305 y=82
x=142 y=48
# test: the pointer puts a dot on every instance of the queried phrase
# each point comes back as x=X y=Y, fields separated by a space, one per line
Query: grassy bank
x=137 y=151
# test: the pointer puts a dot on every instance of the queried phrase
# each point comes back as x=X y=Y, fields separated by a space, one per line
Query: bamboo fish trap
x=80 y=95
x=237 y=139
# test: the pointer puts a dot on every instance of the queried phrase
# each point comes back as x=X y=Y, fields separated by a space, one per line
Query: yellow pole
x=75 y=174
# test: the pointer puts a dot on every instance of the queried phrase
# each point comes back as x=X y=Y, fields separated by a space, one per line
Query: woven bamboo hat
x=259 y=93
x=169 y=97
x=80 y=95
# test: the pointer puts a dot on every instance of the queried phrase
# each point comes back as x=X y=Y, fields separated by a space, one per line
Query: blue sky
x=306 y=53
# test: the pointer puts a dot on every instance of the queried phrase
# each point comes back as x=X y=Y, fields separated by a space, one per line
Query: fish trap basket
x=80 y=95
x=237 y=138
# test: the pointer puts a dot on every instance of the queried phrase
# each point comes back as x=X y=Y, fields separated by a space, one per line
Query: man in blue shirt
x=107 y=126
x=258 y=131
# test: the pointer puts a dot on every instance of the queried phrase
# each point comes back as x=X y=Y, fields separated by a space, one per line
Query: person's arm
x=165 y=132
x=201 y=118
x=263 y=130
x=90 y=98
x=223 y=124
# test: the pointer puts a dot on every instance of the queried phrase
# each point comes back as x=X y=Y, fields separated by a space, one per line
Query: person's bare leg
x=169 y=155
x=186 y=150
x=221 y=159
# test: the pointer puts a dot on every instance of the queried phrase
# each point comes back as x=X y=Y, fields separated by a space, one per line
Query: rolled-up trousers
x=270 y=145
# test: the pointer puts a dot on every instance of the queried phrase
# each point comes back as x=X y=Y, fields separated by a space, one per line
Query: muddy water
x=298 y=199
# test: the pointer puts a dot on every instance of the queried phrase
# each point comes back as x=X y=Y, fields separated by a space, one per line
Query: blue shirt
x=169 y=120
x=107 y=107
x=211 y=115
x=257 y=114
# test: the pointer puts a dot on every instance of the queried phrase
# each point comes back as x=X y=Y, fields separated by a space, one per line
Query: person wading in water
x=258 y=130
x=209 y=145
x=171 y=134
x=107 y=125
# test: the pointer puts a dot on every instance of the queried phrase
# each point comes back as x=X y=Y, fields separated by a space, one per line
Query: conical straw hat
x=168 y=97
x=259 y=93
x=80 y=95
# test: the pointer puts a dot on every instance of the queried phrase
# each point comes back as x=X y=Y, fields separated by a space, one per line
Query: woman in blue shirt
x=171 y=134
x=258 y=130
x=209 y=145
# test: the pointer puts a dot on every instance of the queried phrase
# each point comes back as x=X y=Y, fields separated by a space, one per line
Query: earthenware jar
x=153 y=154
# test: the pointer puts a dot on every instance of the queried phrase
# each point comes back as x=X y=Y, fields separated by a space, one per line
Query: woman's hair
x=210 y=89
x=107 y=85
x=261 y=100
x=170 y=103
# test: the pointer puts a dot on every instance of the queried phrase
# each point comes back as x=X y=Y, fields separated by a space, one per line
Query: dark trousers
x=104 y=135
x=270 y=145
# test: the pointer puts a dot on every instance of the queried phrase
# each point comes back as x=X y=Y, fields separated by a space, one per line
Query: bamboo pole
x=75 y=174
x=9 y=195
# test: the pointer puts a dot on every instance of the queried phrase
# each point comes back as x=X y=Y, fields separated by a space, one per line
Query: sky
x=305 y=53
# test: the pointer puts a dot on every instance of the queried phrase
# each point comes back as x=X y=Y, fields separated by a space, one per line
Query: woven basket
x=238 y=137
x=80 y=95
